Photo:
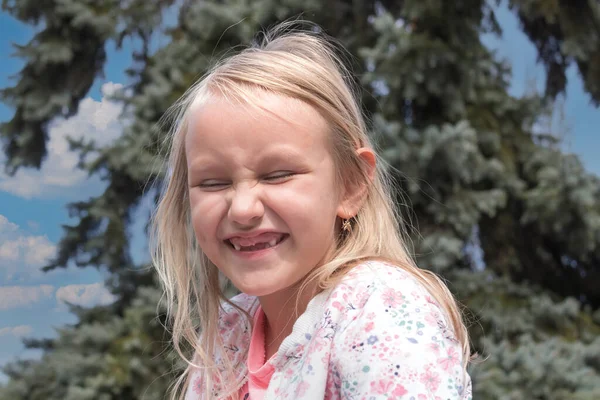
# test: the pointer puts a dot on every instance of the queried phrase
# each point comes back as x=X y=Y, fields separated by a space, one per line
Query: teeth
x=271 y=243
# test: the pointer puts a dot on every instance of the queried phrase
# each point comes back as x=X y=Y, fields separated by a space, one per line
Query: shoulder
x=231 y=342
x=242 y=300
x=378 y=271
x=377 y=283
x=391 y=293
x=380 y=301
x=235 y=315
x=394 y=336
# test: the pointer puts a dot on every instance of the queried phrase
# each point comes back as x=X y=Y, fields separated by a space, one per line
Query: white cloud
x=6 y=225
x=33 y=250
x=18 y=331
x=22 y=254
x=21 y=296
x=84 y=295
x=97 y=120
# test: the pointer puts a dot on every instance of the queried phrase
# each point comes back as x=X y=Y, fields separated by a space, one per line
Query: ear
x=356 y=195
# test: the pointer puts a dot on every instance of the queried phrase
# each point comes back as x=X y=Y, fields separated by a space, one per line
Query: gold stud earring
x=346 y=226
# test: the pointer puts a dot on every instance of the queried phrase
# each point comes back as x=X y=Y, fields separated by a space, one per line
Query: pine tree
x=472 y=166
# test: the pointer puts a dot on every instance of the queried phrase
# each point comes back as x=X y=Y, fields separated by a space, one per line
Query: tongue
x=262 y=238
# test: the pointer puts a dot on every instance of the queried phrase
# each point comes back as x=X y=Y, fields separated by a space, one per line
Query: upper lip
x=251 y=234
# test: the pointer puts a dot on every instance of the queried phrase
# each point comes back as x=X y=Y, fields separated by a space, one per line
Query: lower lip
x=255 y=254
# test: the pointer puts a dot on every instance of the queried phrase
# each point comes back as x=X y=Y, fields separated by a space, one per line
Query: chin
x=257 y=289
x=262 y=288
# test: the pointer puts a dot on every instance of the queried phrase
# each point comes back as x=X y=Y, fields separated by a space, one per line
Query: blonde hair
x=308 y=67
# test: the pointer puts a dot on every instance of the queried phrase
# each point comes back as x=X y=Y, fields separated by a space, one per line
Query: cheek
x=306 y=205
x=203 y=211
x=200 y=236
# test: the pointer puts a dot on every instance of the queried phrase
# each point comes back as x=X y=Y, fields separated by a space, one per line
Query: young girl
x=273 y=184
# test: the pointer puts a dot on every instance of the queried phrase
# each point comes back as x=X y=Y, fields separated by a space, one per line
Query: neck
x=282 y=309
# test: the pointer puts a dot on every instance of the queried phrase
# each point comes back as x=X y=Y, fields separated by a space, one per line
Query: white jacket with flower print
x=378 y=334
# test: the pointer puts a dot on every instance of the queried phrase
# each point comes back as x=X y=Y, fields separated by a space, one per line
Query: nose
x=246 y=207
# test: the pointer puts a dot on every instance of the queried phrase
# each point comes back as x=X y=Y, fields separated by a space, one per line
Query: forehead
x=271 y=121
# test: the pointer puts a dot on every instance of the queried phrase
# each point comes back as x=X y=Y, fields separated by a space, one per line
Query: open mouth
x=257 y=246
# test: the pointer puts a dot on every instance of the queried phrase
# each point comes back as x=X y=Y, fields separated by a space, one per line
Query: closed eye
x=213 y=185
x=279 y=176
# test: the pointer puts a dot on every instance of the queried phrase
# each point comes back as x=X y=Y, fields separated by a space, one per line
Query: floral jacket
x=378 y=334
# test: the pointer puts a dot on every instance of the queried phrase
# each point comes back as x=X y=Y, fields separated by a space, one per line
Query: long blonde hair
x=305 y=66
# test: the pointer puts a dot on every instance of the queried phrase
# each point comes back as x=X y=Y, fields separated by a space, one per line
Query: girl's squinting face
x=262 y=191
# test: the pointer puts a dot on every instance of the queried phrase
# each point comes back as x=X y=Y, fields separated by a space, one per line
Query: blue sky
x=32 y=204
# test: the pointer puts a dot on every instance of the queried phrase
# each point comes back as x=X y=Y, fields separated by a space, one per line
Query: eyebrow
x=277 y=154
x=210 y=163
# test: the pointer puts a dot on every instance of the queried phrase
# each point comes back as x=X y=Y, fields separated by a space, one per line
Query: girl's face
x=262 y=191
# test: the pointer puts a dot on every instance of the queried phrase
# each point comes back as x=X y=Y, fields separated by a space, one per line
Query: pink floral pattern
x=376 y=335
